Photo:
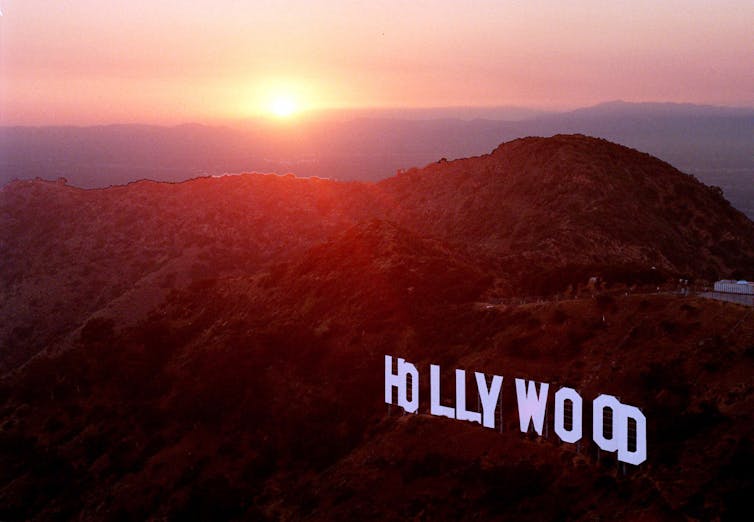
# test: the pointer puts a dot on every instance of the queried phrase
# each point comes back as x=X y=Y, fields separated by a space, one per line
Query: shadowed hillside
x=214 y=349
x=72 y=253
x=261 y=398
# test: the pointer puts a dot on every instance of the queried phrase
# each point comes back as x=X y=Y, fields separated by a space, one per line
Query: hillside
x=214 y=349
x=540 y=214
x=70 y=253
x=549 y=208
x=235 y=400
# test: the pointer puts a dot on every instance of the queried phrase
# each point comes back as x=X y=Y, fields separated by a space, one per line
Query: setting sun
x=283 y=107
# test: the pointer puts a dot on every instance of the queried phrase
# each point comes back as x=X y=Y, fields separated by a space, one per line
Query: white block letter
x=461 y=412
x=562 y=395
x=531 y=407
x=435 y=408
x=598 y=407
x=399 y=381
x=489 y=397
x=639 y=455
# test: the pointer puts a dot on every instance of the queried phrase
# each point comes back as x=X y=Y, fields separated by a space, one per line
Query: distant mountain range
x=214 y=349
x=714 y=143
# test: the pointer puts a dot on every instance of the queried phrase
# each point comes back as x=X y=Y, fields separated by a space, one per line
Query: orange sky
x=86 y=61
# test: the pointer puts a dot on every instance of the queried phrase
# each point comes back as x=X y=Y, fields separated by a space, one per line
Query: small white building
x=734 y=287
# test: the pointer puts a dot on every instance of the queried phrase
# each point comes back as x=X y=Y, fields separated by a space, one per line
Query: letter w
x=531 y=407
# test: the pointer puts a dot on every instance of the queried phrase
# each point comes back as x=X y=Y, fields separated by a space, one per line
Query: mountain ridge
x=712 y=144
x=542 y=214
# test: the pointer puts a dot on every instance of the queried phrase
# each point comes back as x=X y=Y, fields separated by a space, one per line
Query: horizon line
x=310 y=114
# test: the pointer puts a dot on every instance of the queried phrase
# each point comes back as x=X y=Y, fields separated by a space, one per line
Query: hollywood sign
x=628 y=429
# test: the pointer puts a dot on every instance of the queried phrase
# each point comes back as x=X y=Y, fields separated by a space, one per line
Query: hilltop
x=713 y=143
x=549 y=208
x=538 y=216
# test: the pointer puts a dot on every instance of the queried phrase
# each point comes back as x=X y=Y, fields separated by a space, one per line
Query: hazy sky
x=95 y=61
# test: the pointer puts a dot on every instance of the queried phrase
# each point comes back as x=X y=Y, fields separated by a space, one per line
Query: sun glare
x=283 y=107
